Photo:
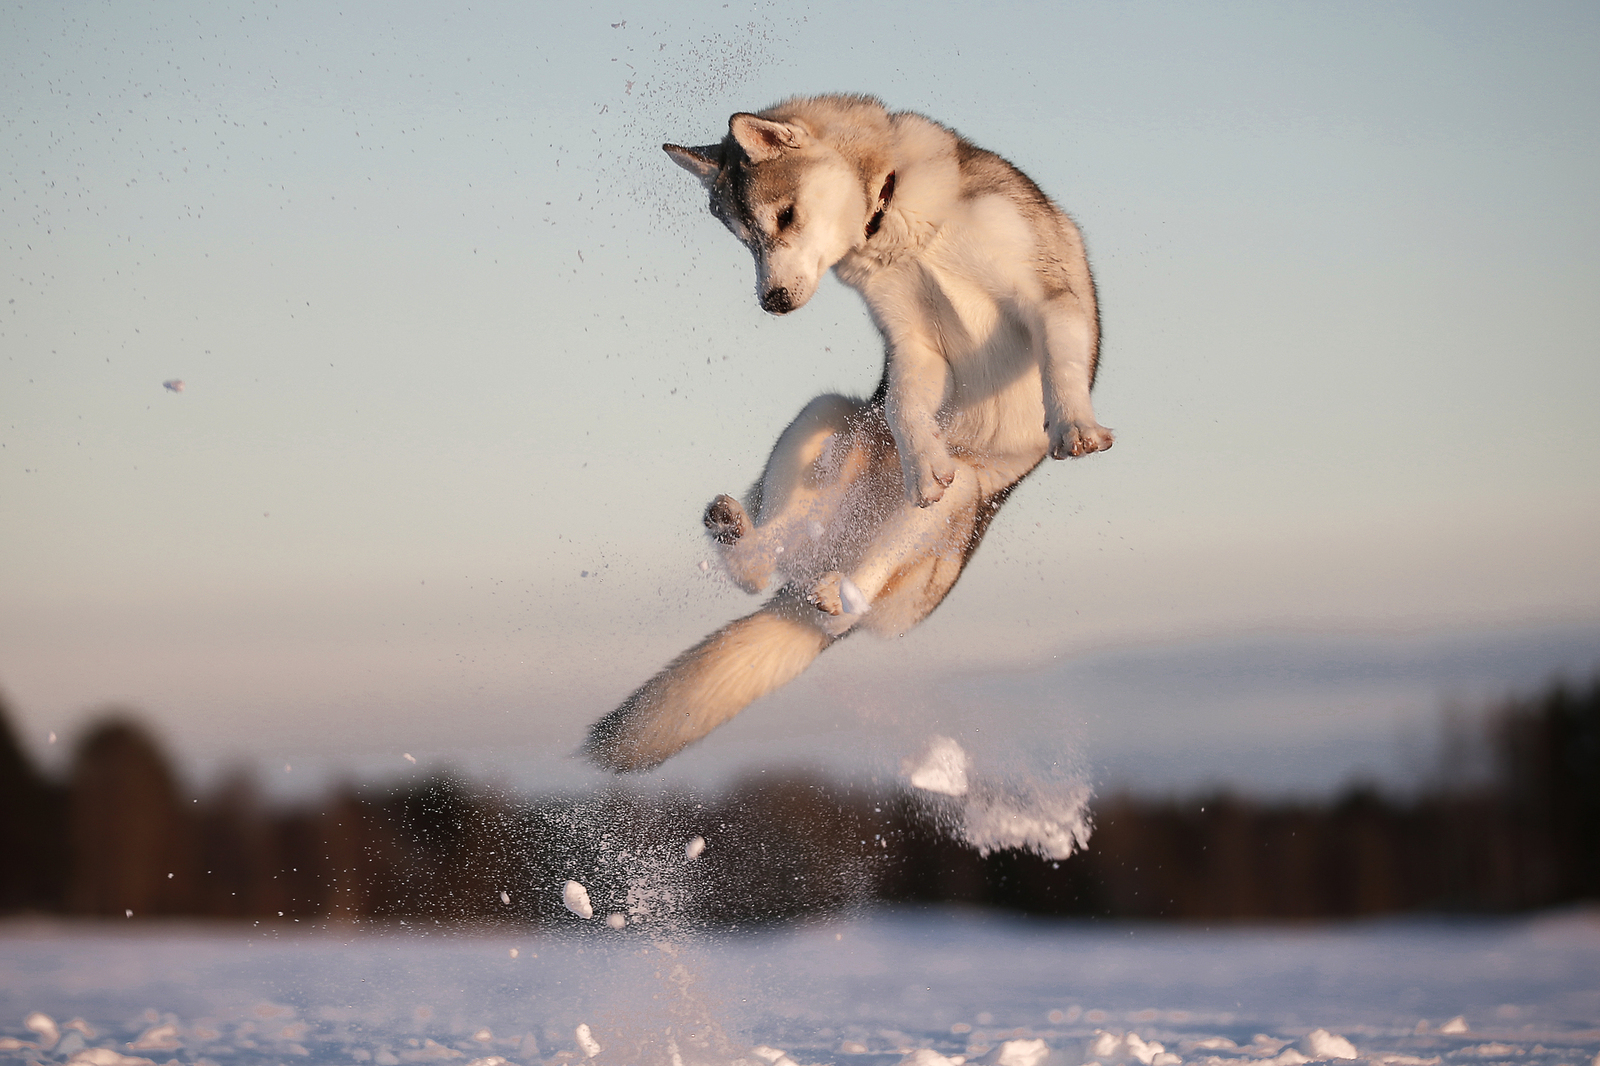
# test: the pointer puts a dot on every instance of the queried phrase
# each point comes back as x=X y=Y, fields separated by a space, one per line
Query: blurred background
x=364 y=371
x=121 y=838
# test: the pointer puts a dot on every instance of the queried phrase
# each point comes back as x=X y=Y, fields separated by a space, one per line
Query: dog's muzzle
x=777 y=301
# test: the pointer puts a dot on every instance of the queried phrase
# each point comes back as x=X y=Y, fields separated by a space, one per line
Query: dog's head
x=793 y=200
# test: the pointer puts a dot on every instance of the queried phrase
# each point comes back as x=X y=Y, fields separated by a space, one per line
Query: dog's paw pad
x=837 y=595
x=1080 y=438
x=725 y=520
x=824 y=595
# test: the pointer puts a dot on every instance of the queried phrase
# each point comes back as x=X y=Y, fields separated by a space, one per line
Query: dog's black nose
x=777 y=301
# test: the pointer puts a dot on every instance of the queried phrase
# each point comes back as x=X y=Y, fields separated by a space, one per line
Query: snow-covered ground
x=878 y=988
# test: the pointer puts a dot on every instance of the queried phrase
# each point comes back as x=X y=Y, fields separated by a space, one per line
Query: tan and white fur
x=869 y=509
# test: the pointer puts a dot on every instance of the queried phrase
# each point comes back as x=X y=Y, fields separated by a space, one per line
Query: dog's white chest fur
x=957 y=285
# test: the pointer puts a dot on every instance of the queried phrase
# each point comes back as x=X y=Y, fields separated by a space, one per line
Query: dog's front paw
x=1078 y=438
x=726 y=520
x=930 y=476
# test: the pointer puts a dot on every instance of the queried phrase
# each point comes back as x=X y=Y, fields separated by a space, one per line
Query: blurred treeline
x=119 y=835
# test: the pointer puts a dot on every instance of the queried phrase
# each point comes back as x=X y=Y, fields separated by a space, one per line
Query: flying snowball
x=576 y=898
x=693 y=849
x=852 y=598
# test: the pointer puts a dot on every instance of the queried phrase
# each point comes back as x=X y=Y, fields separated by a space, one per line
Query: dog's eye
x=786 y=218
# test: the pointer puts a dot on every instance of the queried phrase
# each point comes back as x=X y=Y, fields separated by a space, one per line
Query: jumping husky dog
x=869 y=510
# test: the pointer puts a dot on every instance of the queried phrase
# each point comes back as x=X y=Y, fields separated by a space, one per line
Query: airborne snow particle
x=591 y=1047
x=852 y=598
x=174 y=385
x=576 y=899
x=692 y=850
x=616 y=921
x=410 y=758
x=505 y=897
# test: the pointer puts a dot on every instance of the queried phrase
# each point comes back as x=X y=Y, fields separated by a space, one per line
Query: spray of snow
x=941 y=766
x=1002 y=811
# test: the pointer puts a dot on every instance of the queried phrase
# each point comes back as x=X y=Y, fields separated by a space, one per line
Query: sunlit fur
x=981 y=290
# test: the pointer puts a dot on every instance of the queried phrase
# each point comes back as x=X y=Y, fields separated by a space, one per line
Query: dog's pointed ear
x=704 y=162
x=763 y=139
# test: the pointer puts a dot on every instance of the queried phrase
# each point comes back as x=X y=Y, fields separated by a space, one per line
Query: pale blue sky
x=454 y=333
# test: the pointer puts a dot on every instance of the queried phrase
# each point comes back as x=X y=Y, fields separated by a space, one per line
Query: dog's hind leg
x=799 y=490
x=912 y=536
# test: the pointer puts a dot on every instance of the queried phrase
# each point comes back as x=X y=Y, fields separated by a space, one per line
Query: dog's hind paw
x=1078 y=438
x=824 y=595
x=836 y=594
x=726 y=520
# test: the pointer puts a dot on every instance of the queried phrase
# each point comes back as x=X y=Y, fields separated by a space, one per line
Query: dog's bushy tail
x=709 y=684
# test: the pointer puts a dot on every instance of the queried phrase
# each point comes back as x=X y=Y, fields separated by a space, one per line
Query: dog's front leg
x=919 y=377
x=1071 y=342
